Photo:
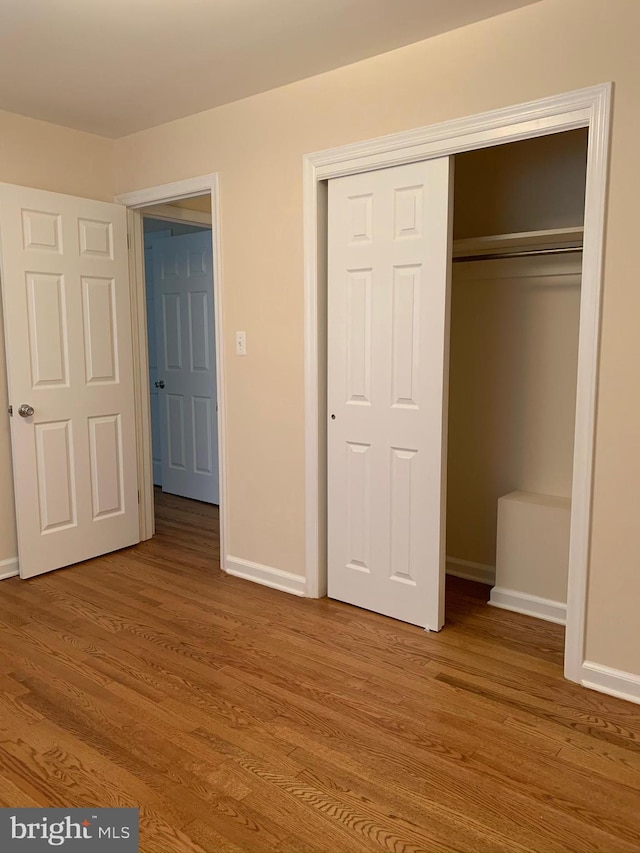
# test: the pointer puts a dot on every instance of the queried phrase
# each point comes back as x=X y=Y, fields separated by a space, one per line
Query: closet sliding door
x=388 y=319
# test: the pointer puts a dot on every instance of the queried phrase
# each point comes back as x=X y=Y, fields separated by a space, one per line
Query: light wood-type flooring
x=238 y=718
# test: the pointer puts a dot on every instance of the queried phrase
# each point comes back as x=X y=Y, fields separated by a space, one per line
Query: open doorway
x=182 y=366
x=178 y=275
x=518 y=226
x=176 y=309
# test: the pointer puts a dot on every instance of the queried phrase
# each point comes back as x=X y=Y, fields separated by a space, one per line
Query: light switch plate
x=241 y=343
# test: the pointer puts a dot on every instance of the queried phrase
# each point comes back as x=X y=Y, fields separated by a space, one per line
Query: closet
x=515 y=306
x=464 y=390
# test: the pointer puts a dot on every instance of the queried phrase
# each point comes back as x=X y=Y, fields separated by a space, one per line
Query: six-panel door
x=67 y=319
x=388 y=297
x=183 y=296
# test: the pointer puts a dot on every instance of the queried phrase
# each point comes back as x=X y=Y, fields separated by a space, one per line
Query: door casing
x=590 y=108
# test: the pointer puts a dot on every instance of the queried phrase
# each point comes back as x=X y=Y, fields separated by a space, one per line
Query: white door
x=65 y=290
x=388 y=324
x=186 y=370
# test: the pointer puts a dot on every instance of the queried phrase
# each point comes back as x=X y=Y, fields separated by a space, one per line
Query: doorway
x=518 y=222
x=192 y=207
x=518 y=225
x=182 y=368
x=587 y=109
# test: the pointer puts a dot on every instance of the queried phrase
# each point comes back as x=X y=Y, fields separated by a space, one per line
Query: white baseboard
x=471 y=571
x=530 y=605
x=266 y=575
x=615 y=682
x=9 y=568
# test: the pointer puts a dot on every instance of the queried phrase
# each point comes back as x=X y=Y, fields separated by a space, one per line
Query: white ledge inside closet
x=525 y=241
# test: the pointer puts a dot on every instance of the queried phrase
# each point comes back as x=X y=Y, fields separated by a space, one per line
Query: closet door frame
x=590 y=108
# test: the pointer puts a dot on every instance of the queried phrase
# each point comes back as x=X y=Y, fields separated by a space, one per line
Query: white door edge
x=589 y=107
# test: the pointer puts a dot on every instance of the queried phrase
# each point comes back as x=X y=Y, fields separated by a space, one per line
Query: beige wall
x=257 y=144
x=38 y=154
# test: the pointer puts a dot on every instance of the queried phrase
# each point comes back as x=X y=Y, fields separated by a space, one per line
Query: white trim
x=583 y=108
x=587 y=385
x=166 y=193
x=11 y=574
x=9 y=568
x=265 y=575
x=530 y=605
x=178 y=214
x=615 y=682
x=218 y=307
x=524 y=121
x=134 y=201
x=314 y=372
x=470 y=571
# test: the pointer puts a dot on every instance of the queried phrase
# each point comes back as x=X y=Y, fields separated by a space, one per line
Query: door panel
x=107 y=476
x=388 y=304
x=101 y=351
x=66 y=303
x=175 y=458
x=172 y=338
x=47 y=333
x=183 y=296
x=54 y=470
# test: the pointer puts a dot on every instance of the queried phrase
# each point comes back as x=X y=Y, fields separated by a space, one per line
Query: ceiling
x=113 y=67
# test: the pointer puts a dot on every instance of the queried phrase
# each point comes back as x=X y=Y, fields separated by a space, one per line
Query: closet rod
x=496 y=256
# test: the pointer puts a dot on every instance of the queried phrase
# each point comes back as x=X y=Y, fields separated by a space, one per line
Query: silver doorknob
x=159 y=384
x=26 y=411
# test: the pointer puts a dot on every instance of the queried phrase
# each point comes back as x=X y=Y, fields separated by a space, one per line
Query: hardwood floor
x=238 y=718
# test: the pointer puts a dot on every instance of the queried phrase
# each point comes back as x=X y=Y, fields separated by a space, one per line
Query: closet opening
x=515 y=309
x=343 y=189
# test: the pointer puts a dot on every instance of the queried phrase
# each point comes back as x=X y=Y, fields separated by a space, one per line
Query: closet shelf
x=525 y=241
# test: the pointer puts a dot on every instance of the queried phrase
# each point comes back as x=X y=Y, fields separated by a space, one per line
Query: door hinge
x=10 y=410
